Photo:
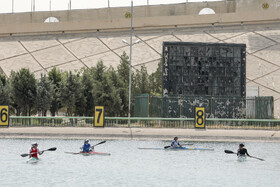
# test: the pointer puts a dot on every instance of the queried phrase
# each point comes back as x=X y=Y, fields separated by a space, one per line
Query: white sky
x=44 y=5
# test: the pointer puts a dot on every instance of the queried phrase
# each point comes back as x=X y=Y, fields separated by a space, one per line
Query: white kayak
x=178 y=148
x=241 y=158
x=32 y=160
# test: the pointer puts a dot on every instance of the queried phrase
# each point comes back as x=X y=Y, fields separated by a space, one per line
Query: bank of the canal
x=141 y=133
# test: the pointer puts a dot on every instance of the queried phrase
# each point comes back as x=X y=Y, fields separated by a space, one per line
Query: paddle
x=231 y=152
x=98 y=144
x=50 y=149
x=166 y=147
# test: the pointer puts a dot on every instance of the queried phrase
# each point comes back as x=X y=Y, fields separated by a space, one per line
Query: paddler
x=34 y=151
x=175 y=142
x=242 y=151
x=86 y=147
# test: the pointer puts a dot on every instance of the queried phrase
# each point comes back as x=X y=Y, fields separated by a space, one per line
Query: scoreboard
x=204 y=69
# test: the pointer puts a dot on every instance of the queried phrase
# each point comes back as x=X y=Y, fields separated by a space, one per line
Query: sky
x=9 y=6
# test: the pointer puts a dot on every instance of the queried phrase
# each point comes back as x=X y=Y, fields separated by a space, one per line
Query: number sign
x=199 y=117
x=4 y=115
x=99 y=116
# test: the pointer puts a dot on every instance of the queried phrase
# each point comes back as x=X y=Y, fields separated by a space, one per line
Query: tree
x=4 y=91
x=88 y=85
x=123 y=73
x=155 y=80
x=80 y=98
x=142 y=81
x=72 y=95
x=118 y=89
x=44 y=95
x=104 y=90
x=55 y=76
x=23 y=85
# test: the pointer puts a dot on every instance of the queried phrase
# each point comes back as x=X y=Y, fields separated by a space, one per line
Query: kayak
x=241 y=158
x=89 y=153
x=94 y=153
x=178 y=148
x=32 y=160
x=189 y=148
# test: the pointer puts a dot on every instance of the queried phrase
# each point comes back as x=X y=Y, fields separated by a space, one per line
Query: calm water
x=129 y=166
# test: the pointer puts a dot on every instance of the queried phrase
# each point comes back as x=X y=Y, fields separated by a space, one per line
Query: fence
x=215 y=106
x=211 y=123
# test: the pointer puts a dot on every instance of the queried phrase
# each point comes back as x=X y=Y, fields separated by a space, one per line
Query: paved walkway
x=140 y=133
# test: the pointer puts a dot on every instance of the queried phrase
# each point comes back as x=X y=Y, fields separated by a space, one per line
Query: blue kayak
x=189 y=148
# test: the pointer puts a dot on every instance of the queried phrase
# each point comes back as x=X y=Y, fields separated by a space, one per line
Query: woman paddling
x=86 y=147
x=242 y=151
x=34 y=151
x=175 y=143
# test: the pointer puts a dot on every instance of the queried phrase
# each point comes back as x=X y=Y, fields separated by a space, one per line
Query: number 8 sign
x=199 y=117
x=4 y=115
x=99 y=116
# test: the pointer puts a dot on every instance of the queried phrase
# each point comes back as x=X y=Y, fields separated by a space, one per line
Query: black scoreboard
x=204 y=69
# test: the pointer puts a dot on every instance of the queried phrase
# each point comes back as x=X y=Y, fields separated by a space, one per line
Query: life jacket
x=86 y=148
x=35 y=151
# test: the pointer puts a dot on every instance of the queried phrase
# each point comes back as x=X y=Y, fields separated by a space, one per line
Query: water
x=129 y=166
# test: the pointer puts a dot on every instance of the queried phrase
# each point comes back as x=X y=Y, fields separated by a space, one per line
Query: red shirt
x=35 y=151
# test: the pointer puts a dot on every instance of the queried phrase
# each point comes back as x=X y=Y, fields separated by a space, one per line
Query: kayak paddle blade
x=229 y=152
x=100 y=143
x=51 y=149
x=24 y=155
x=165 y=147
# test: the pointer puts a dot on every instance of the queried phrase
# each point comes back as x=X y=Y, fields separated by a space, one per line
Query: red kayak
x=89 y=153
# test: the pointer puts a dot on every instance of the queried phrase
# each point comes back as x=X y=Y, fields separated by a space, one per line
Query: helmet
x=34 y=143
x=86 y=140
x=241 y=145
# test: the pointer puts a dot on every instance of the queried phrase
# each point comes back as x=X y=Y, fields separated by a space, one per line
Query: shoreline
x=218 y=135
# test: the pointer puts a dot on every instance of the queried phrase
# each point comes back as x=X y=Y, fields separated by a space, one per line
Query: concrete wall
x=119 y=13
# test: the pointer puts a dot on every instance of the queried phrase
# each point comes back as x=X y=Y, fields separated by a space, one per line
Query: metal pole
x=130 y=55
x=34 y=5
x=108 y=3
x=13 y=6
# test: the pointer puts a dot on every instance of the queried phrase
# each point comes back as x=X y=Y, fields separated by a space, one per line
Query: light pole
x=129 y=91
x=130 y=55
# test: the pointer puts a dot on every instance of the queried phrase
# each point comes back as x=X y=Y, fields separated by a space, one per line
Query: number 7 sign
x=99 y=116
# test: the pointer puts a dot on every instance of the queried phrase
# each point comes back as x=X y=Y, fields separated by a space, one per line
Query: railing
x=137 y=122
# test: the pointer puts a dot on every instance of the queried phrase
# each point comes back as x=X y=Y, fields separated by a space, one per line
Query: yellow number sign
x=99 y=116
x=127 y=15
x=4 y=115
x=199 y=117
x=265 y=5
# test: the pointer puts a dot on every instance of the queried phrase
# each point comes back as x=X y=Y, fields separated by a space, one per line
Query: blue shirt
x=175 y=144
x=86 y=148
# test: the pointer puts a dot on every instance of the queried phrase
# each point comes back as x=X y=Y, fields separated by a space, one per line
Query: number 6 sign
x=4 y=116
x=199 y=117
x=99 y=116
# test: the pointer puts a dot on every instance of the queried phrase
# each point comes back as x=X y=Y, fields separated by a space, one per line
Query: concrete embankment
x=141 y=134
